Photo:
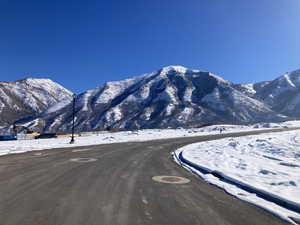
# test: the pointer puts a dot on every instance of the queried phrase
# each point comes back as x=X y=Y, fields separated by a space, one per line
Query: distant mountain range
x=29 y=98
x=171 y=97
x=282 y=95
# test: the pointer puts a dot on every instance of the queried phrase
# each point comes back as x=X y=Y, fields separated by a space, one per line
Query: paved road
x=117 y=189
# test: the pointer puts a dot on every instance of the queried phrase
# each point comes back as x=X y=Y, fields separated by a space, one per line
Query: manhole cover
x=83 y=160
x=171 y=179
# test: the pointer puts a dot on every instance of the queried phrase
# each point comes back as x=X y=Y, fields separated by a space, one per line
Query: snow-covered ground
x=19 y=146
x=266 y=163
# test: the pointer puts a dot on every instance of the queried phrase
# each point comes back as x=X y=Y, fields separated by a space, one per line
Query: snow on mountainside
x=171 y=97
x=281 y=95
x=251 y=89
x=28 y=97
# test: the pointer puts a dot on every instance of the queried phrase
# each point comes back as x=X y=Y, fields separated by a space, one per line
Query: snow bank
x=267 y=165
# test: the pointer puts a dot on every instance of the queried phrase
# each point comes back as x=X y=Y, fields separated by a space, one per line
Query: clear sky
x=84 y=43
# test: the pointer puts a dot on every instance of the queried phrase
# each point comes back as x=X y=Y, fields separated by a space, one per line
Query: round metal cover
x=83 y=160
x=171 y=179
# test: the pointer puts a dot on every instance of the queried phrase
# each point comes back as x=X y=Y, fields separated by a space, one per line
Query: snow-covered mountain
x=171 y=97
x=29 y=97
x=281 y=95
x=251 y=89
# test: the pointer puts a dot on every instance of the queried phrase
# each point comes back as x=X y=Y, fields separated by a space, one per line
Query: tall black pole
x=73 y=119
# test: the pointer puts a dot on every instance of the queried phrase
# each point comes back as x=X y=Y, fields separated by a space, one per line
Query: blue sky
x=82 y=44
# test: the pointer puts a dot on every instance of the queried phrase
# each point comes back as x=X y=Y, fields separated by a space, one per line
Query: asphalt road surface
x=117 y=189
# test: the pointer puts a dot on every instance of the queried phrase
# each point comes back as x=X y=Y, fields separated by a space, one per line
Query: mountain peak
x=295 y=76
x=183 y=70
x=28 y=79
x=175 y=68
x=290 y=79
x=28 y=97
x=295 y=72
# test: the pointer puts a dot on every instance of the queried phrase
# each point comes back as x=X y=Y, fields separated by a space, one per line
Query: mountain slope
x=251 y=90
x=281 y=95
x=28 y=97
x=171 y=97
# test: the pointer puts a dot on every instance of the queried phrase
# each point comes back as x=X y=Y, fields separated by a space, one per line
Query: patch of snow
x=219 y=79
x=188 y=94
x=171 y=92
x=32 y=123
x=57 y=121
x=114 y=114
x=266 y=162
x=186 y=113
x=5 y=97
x=85 y=99
x=250 y=88
x=286 y=76
x=169 y=109
x=58 y=106
x=283 y=84
x=115 y=88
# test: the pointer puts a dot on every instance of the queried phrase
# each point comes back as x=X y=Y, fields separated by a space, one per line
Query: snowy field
x=267 y=163
x=19 y=146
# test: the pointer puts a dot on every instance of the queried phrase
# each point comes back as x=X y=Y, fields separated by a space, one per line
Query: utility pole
x=73 y=119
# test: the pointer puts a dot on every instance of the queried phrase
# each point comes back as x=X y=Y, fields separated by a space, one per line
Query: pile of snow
x=268 y=163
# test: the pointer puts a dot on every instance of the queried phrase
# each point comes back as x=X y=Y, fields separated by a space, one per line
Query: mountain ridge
x=28 y=97
x=173 y=96
x=281 y=94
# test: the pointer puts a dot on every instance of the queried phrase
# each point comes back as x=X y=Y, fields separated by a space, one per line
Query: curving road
x=117 y=189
